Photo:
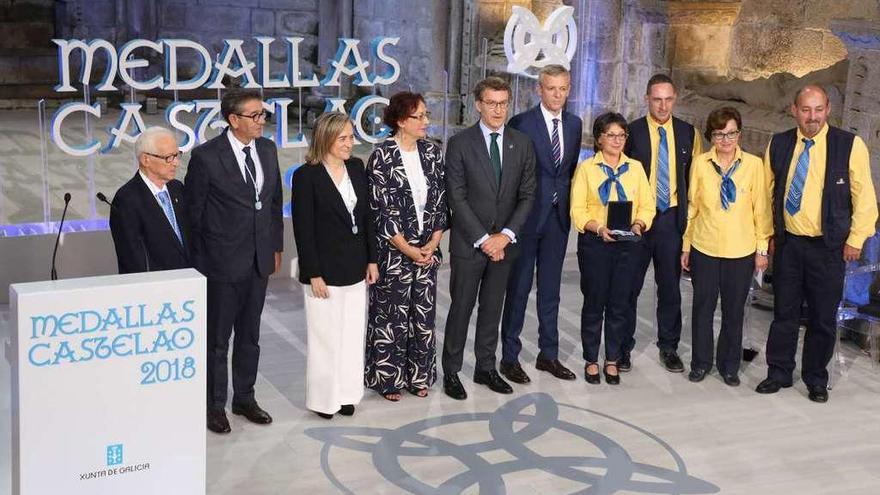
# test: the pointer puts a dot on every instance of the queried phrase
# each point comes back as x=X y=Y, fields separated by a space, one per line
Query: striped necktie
x=662 y=172
x=557 y=153
x=796 y=189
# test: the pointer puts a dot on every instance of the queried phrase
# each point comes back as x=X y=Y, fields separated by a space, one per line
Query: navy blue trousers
x=804 y=269
x=546 y=249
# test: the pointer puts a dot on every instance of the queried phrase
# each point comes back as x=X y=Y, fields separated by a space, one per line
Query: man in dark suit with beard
x=150 y=230
x=233 y=197
x=490 y=186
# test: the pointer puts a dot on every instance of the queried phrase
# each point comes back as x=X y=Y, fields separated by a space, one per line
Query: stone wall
x=748 y=39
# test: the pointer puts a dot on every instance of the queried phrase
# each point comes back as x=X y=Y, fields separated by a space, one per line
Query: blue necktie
x=796 y=189
x=557 y=153
x=605 y=188
x=165 y=199
x=662 y=172
x=728 y=188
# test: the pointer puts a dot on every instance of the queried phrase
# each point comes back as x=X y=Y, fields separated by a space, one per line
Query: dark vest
x=836 y=196
x=638 y=146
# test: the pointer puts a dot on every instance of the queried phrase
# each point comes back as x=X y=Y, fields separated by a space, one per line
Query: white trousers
x=336 y=330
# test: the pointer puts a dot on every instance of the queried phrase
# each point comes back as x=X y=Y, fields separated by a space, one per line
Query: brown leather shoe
x=555 y=368
x=514 y=373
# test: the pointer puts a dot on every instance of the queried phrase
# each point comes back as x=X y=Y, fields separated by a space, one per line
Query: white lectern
x=108 y=385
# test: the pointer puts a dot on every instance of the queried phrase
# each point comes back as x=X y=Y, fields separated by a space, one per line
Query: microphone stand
x=54 y=273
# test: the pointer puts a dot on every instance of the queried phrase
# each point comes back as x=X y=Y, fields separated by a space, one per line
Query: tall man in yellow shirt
x=665 y=146
x=824 y=207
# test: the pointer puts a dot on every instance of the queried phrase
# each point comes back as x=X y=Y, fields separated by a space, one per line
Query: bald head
x=808 y=89
x=811 y=109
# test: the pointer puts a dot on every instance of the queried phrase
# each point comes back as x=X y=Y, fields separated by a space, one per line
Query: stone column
x=861 y=113
x=699 y=38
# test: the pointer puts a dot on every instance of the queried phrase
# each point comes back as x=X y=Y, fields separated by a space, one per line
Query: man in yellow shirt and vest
x=824 y=207
x=665 y=146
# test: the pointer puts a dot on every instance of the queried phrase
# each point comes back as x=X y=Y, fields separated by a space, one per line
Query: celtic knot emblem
x=552 y=43
x=591 y=458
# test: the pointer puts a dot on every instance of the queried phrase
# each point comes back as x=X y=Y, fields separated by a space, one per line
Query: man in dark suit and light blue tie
x=233 y=197
x=490 y=186
x=147 y=220
x=556 y=136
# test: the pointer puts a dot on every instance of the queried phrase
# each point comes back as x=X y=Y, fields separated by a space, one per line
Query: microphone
x=103 y=199
x=54 y=273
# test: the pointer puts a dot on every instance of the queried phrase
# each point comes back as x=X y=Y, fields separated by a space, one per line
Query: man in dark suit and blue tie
x=556 y=136
x=233 y=197
x=665 y=146
x=147 y=220
x=490 y=186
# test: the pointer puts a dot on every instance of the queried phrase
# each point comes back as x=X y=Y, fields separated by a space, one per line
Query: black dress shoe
x=514 y=373
x=731 y=380
x=770 y=386
x=492 y=380
x=818 y=394
x=671 y=361
x=594 y=377
x=217 y=421
x=609 y=378
x=625 y=362
x=253 y=413
x=555 y=368
x=696 y=375
x=323 y=415
x=347 y=410
x=452 y=387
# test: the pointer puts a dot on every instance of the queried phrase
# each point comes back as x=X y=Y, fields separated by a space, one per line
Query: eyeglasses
x=725 y=136
x=494 y=105
x=615 y=137
x=425 y=116
x=167 y=158
x=256 y=117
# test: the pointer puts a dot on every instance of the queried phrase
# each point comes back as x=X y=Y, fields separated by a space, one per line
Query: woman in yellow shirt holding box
x=729 y=224
x=607 y=265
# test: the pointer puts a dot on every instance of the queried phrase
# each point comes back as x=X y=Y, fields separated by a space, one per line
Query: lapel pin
x=840 y=182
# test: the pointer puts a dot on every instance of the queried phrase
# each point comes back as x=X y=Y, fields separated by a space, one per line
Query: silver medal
x=354 y=229
x=258 y=205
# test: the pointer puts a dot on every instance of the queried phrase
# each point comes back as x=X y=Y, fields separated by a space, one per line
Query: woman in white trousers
x=336 y=246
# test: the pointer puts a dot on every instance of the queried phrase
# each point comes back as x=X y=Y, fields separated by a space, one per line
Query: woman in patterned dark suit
x=408 y=199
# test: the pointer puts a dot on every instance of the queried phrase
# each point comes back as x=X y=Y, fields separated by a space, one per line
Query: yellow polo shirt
x=586 y=205
x=653 y=131
x=745 y=226
x=808 y=220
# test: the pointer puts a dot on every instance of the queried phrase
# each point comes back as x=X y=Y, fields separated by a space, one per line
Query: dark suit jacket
x=142 y=234
x=230 y=237
x=477 y=203
x=550 y=179
x=325 y=243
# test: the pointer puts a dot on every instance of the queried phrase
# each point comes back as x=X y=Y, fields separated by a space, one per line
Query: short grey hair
x=146 y=141
x=553 y=70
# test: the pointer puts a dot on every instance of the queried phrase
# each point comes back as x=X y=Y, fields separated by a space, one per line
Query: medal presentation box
x=108 y=385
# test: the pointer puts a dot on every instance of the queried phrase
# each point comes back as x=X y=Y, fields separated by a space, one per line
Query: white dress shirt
x=418 y=185
x=238 y=150
x=153 y=188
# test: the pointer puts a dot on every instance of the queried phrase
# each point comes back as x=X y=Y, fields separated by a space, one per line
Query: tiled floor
x=655 y=433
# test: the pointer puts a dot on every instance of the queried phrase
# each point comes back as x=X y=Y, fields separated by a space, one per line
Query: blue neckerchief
x=605 y=188
x=728 y=188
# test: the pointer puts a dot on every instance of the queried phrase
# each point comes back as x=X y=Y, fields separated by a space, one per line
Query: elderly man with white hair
x=147 y=219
